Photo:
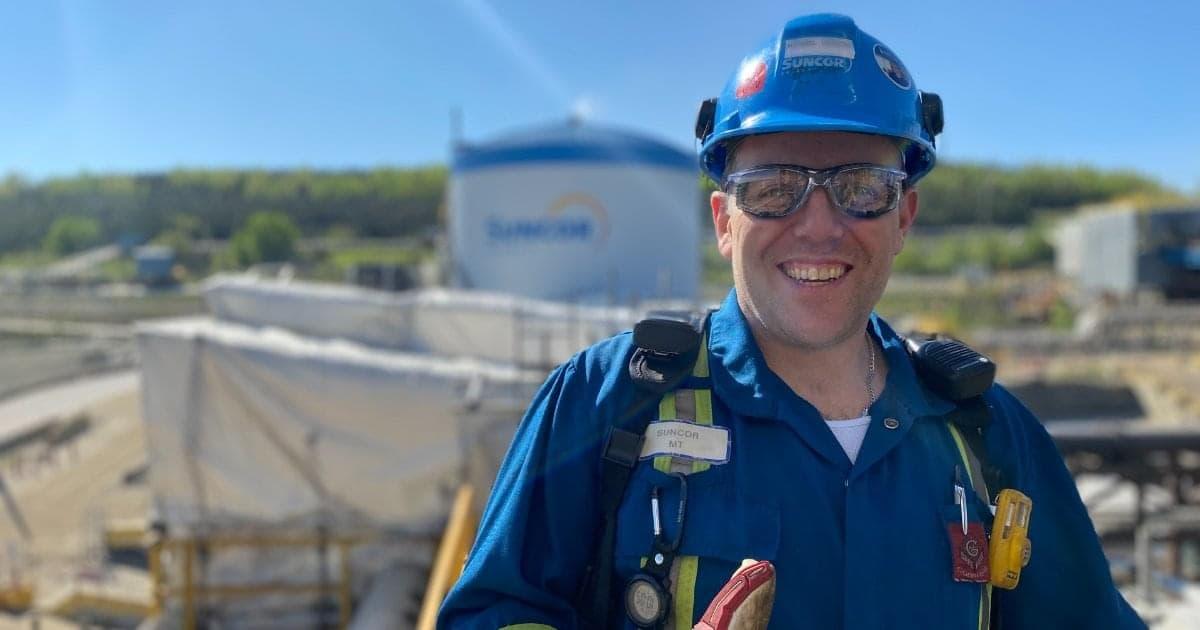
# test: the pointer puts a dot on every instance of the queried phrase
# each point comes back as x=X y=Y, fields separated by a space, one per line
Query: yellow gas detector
x=1009 y=548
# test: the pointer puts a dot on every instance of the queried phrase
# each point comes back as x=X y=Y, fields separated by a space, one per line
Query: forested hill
x=965 y=194
x=398 y=202
x=369 y=203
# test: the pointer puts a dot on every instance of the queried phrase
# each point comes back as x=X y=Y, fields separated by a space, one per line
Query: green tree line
x=388 y=202
x=217 y=203
x=973 y=194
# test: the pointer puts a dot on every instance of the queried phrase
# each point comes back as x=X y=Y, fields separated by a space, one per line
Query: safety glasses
x=774 y=191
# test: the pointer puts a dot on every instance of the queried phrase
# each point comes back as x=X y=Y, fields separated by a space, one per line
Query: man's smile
x=814 y=273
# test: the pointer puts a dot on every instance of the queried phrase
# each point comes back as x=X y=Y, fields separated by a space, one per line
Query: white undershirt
x=850 y=434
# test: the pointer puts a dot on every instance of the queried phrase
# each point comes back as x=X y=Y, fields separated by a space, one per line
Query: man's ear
x=720 y=216
x=909 y=204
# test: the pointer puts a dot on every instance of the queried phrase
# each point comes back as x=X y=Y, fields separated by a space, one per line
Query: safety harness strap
x=972 y=417
x=691 y=405
x=974 y=472
x=621 y=452
x=668 y=346
x=955 y=371
x=962 y=375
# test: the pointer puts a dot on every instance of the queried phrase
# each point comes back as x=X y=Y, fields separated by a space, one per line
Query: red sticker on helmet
x=751 y=78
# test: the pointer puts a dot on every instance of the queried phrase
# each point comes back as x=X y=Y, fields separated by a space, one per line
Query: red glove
x=745 y=602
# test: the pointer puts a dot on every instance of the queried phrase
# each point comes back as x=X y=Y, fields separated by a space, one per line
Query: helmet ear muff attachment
x=706 y=119
x=931 y=115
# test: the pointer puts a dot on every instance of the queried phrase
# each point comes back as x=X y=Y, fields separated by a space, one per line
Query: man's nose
x=818 y=219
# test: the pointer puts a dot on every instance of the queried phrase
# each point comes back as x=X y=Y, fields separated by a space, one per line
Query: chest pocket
x=720 y=529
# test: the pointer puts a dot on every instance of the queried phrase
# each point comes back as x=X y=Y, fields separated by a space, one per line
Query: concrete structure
x=575 y=213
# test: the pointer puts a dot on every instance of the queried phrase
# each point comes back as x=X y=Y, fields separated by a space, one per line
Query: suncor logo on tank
x=571 y=218
x=539 y=229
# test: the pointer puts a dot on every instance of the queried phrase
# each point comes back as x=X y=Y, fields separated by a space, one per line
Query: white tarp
x=446 y=322
x=371 y=317
x=261 y=425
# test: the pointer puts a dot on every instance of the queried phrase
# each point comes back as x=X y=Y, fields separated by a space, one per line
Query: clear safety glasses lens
x=860 y=190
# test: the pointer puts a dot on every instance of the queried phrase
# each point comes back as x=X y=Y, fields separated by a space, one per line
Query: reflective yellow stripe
x=685 y=591
x=666 y=408
x=528 y=626
x=703 y=405
x=666 y=411
x=986 y=591
x=703 y=416
x=704 y=413
x=962 y=452
x=985 y=623
x=701 y=367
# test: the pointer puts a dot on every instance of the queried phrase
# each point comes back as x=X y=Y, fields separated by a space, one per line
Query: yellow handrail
x=452 y=552
x=193 y=591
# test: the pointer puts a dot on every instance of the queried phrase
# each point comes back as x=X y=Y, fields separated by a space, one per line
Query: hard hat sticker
x=890 y=64
x=807 y=54
x=688 y=440
x=751 y=77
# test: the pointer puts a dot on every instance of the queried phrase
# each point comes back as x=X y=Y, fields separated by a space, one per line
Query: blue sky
x=108 y=86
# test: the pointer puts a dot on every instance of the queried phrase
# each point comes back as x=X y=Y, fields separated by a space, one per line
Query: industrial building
x=1121 y=250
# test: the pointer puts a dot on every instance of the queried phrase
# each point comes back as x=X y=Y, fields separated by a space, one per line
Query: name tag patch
x=816 y=54
x=687 y=439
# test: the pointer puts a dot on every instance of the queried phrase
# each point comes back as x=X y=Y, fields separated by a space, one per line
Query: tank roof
x=571 y=142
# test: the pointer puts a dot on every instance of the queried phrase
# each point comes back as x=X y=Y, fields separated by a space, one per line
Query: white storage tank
x=575 y=212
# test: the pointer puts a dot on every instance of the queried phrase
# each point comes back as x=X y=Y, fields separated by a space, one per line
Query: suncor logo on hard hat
x=807 y=54
x=572 y=217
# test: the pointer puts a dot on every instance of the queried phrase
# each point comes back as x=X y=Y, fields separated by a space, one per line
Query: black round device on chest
x=646 y=602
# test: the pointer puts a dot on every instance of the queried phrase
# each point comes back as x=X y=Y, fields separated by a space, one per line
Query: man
x=804 y=435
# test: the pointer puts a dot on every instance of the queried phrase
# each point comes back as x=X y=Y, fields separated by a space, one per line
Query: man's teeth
x=814 y=273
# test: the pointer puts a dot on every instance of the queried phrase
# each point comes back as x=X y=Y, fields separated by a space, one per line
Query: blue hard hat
x=821 y=73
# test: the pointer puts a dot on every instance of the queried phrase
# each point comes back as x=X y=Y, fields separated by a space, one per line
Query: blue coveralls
x=862 y=546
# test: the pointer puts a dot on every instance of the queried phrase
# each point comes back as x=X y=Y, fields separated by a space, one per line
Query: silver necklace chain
x=870 y=377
